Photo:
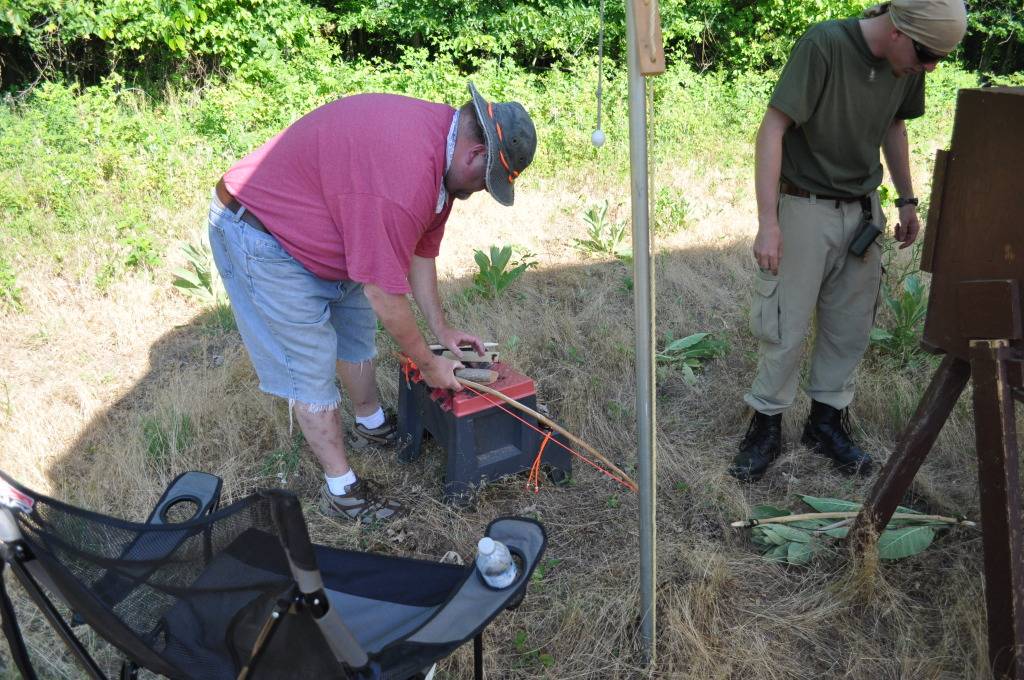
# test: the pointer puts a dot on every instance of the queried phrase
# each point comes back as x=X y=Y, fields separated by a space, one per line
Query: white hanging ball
x=597 y=139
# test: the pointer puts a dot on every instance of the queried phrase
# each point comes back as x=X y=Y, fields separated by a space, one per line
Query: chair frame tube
x=19 y=554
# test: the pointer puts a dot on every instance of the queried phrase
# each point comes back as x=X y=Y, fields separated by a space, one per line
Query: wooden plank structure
x=974 y=248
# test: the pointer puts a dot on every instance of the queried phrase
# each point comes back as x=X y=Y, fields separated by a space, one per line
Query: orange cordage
x=534 y=476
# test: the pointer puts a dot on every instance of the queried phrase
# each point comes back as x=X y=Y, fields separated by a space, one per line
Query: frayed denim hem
x=322 y=407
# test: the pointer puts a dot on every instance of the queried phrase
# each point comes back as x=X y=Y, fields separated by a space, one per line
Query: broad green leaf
x=187 y=275
x=779 y=553
x=799 y=553
x=766 y=511
x=830 y=504
x=838 y=532
x=768 y=531
x=895 y=544
x=788 y=533
x=880 y=335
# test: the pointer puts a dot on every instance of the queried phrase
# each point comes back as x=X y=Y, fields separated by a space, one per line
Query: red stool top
x=511 y=383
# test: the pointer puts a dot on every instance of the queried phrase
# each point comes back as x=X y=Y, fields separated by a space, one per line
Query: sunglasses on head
x=925 y=55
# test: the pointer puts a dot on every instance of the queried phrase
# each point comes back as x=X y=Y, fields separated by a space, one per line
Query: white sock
x=372 y=421
x=339 y=485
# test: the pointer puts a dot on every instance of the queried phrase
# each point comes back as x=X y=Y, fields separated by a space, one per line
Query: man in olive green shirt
x=845 y=92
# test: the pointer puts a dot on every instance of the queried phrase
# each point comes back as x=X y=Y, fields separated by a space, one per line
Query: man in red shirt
x=326 y=227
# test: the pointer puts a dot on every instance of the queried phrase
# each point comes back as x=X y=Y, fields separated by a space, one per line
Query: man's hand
x=908 y=226
x=768 y=247
x=453 y=337
x=439 y=373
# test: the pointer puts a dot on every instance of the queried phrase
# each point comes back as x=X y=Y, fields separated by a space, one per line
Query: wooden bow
x=541 y=418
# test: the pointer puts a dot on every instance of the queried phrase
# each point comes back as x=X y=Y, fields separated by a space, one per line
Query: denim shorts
x=295 y=325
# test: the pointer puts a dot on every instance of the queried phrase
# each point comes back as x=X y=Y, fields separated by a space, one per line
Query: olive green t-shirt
x=842 y=100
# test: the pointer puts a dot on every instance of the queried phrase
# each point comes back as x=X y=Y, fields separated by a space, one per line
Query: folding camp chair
x=241 y=592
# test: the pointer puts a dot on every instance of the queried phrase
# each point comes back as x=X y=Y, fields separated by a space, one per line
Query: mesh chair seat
x=241 y=591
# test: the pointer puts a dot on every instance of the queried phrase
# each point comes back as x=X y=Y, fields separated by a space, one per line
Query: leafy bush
x=906 y=303
x=493 y=278
x=89 y=39
x=201 y=281
x=222 y=33
x=604 y=237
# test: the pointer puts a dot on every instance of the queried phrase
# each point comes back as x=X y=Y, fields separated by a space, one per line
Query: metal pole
x=643 y=294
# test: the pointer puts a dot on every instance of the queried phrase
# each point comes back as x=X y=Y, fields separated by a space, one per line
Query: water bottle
x=495 y=564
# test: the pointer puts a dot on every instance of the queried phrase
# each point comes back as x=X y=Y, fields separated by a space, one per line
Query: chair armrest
x=475 y=603
x=199 y=488
x=524 y=537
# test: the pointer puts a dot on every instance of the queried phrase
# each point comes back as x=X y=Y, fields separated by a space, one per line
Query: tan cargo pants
x=816 y=274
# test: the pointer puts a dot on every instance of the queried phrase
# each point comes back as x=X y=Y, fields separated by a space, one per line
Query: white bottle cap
x=486 y=545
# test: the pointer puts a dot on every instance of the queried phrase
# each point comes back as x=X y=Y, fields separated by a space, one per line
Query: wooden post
x=912 y=447
x=999 y=481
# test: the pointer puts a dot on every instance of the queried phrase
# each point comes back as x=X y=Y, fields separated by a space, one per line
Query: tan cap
x=939 y=25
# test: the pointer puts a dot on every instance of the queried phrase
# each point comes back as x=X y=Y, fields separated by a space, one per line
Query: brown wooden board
x=990 y=308
x=979 y=230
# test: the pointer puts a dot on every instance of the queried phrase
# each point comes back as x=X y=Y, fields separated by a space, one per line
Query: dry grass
x=82 y=376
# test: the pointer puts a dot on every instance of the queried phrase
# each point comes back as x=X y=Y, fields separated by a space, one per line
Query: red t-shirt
x=350 y=188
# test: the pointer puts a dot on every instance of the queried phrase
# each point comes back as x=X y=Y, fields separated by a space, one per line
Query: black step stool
x=482 y=441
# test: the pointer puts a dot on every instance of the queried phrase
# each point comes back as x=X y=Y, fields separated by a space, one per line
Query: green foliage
x=200 y=280
x=995 y=36
x=166 y=436
x=93 y=38
x=10 y=291
x=283 y=463
x=144 y=31
x=531 y=656
x=544 y=568
x=906 y=302
x=141 y=247
x=689 y=354
x=493 y=278
x=670 y=211
x=796 y=543
x=604 y=237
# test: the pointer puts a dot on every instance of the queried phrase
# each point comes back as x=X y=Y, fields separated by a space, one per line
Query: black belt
x=232 y=204
x=787 y=188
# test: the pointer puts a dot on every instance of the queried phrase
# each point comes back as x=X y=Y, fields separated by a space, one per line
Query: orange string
x=534 y=476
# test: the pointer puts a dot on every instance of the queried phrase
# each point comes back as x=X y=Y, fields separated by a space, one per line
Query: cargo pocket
x=764 y=308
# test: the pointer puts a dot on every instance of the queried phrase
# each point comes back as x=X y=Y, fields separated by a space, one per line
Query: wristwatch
x=900 y=202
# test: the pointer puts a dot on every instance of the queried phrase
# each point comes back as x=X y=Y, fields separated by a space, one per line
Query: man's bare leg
x=324 y=434
x=360 y=383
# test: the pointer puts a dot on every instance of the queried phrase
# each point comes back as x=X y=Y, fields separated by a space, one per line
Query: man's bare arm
x=767 y=170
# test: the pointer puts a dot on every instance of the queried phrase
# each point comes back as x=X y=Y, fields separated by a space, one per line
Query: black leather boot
x=827 y=432
x=760 y=446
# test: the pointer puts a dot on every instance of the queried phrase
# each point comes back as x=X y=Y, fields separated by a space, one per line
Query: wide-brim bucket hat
x=511 y=143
